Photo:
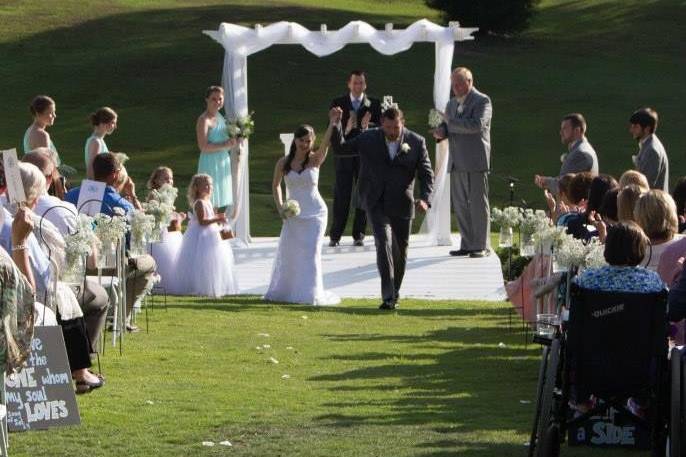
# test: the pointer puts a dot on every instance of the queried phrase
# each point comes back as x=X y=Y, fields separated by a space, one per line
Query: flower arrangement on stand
x=532 y=224
x=78 y=246
x=506 y=219
x=110 y=231
x=142 y=226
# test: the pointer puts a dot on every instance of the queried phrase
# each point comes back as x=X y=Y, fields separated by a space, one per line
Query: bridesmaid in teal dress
x=104 y=122
x=214 y=144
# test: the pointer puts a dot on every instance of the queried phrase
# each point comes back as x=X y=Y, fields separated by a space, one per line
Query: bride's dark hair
x=300 y=132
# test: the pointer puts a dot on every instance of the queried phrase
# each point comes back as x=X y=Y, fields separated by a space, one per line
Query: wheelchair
x=613 y=348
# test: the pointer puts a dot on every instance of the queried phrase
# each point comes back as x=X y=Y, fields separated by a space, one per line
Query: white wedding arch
x=239 y=42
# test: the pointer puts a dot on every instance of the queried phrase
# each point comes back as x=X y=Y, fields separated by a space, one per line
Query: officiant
x=360 y=112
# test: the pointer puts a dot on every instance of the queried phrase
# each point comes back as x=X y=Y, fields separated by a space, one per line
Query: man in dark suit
x=359 y=113
x=390 y=158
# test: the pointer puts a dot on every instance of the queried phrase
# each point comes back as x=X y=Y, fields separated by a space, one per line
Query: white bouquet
x=290 y=208
x=595 y=254
x=241 y=127
x=110 y=229
x=534 y=222
x=509 y=217
x=435 y=118
x=388 y=103
x=571 y=252
x=79 y=245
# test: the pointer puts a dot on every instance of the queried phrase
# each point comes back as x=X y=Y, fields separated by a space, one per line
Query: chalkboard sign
x=41 y=395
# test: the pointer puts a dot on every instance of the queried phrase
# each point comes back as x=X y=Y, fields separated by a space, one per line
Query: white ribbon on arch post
x=239 y=42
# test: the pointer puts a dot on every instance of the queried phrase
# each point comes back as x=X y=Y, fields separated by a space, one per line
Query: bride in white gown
x=297 y=272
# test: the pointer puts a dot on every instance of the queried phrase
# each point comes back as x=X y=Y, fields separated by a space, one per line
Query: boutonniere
x=634 y=159
x=460 y=109
x=405 y=148
x=563 y=157
x=366 y=103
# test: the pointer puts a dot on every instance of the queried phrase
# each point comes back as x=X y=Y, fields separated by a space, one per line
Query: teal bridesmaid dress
x=217 y=164
x=103 y=147
x=51 y=145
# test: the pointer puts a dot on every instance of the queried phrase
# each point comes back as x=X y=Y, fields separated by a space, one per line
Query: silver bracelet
x=19 y=247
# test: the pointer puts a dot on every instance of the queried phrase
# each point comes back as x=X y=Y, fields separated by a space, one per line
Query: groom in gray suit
x=468 y=129
x=581 y=156
x=390 y=158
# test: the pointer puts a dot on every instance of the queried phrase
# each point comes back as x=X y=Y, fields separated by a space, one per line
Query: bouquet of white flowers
x=290 y=208
x=571 y=252
x=534 y=221
x=508 y=217
x=160 y=205
x=142 y=226
x=110 y=229
x=241 y=127
x=79 y=245
x=435 y=118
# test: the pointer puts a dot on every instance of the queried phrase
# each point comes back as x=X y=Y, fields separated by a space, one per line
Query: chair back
x=616 y=341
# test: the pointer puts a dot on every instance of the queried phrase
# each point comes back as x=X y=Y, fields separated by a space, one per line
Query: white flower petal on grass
x=273 y=360
x=149 y=402
x=266 y=346
x=259 y=348
x=208 y=443
x=502 y=345
x=290 y=348
x=286 y=376
x=303 y=317
x=525 y=402
x=263 y=334
x=225 y=443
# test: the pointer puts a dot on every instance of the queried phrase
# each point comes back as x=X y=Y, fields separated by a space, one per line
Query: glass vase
x=505 y=237
x=107 y=256
x=75 y=271
x=528 y=245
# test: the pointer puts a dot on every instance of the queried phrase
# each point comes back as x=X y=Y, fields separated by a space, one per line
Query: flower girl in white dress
x=205 y=264
x=166 y=250
x=297 y=272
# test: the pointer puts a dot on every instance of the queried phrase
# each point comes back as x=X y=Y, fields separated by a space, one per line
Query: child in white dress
x=166 y=250
x=205 y=263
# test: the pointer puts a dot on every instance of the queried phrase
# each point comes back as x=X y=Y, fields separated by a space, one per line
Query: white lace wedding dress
x=297 y=272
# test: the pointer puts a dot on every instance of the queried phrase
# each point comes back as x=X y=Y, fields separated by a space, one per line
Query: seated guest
x=625 y=248
x=94 y=300
x=600 y=185
x=676 y=310
x=70 y=315
x=634 y=177
x=655 y=212
x=606 y=214
x=60 y=213
x=559 y=204
x=581 y=156
x=626 y=202
x=575 y=219
x=679 y=196
x=141 y=269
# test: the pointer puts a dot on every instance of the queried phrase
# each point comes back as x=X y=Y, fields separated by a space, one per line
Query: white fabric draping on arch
x=239 y=42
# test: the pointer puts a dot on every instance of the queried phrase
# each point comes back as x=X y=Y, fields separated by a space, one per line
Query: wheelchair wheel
x=539 y=390
x=545 y=425
x=676 y=420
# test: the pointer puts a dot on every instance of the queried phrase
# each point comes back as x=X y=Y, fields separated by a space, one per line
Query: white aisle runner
x=350 y=272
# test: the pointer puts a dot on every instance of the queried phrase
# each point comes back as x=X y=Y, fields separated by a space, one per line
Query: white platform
x=351 y=271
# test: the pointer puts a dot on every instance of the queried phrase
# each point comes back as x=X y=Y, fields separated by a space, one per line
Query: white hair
x=33 y=180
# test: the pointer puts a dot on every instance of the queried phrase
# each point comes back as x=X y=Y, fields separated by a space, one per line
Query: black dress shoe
x=479 y=254
x=460 y=253
x=358 y=243
x=388 y=305
x=334 y=243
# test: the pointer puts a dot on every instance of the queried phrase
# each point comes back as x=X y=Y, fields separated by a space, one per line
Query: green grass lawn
x=150 y=61
x=431 y=379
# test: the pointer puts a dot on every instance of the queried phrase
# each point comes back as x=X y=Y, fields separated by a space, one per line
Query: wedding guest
x=301 y=235
x=575 y=218
x=60 y=213
x=43 y=110
x=626 y=202
x=655 y=212
x=581 y=156
x=93 y=299
x=679 y=196
x=104 y=122
x=676 y=310
x=166 y=251
x=559 y=204
x=600 y=185
x=468 y=129
x=207 y=266
x=634 y=177
x=140 y=269
x=652 y=158
x=360 y=112
x=215 y=147
x=70 y=316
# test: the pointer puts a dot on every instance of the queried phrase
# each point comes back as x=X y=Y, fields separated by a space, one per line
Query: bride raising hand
x=302 y=233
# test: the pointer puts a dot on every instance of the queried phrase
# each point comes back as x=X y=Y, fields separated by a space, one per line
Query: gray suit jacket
x=582 y=157
x=469 y=132
x=384 y=180
x=652 y=161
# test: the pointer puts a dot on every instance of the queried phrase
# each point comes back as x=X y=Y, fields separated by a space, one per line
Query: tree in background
x=491 y=16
